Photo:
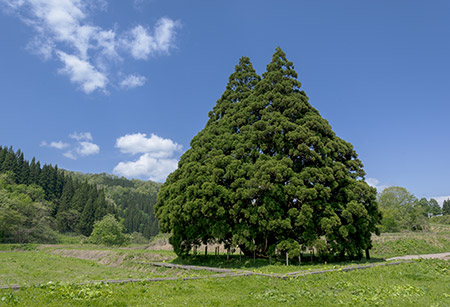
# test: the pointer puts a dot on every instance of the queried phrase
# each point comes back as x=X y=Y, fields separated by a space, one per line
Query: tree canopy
x=267 y=172
x=403 y=211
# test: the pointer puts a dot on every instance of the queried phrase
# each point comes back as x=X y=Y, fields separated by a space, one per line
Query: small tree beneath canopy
x=267 y=171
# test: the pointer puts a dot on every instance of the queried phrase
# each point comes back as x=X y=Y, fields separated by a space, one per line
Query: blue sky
x=122 y=86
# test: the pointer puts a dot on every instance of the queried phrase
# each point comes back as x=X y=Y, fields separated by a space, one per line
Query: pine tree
x=268 y=172
x=10 y=163
x=87 y=217
x=35 y=170
x=3 y=152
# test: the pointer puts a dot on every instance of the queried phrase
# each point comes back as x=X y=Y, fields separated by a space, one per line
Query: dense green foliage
x=268 y=173
x=446 y=207
x=403 y=211
x=25 y=216
x=430 y=206
x=108 y=231
x=134 y=200
x=35 y=200
x=444 y=219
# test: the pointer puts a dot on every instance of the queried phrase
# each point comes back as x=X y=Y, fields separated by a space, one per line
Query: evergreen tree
x=3 y=152
x=35 y=170
x=268 y=172
x=435 y=209
x=87 y=217
x=10 y=163
x=446 y=207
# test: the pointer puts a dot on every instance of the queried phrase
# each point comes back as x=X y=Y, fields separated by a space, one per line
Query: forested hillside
x=134 y=200
x=38 y=201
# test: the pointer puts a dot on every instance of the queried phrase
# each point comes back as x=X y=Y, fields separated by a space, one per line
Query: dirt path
x=235 y=272
x=445 y=256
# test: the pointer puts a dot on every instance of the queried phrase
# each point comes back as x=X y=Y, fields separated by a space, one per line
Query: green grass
x=54 y=280
x=412 y=243
x=278 y=266
x=421 y=283
x=37 y=267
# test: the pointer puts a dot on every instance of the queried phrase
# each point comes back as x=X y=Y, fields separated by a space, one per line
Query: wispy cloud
x=65 y=32
x=373 y=182
x=87 y=149
x=57 y=145
x=156 y=159
x=82 y=147
x=82 y=136
x=82 y=72
x=132 y=81
x=142 y=44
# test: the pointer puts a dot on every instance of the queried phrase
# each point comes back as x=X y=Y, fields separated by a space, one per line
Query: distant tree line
x=134 y=200
x=70 y=202
x=402 y=211
x=35 y=199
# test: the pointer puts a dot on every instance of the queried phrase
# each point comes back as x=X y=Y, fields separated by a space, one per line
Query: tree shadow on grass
x=245 y=263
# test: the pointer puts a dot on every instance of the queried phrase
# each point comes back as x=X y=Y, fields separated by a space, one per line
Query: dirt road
x=445 y=256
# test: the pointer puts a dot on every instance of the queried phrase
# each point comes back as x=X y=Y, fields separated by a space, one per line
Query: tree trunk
x=367 y=254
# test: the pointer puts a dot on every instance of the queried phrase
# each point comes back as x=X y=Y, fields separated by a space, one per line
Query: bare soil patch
x=444 y=256
x=109 y=257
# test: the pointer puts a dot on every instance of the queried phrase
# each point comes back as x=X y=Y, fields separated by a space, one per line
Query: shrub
x=108 y=231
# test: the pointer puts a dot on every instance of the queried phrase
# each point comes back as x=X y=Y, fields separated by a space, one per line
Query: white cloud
x=148 y=167
x=81 y=148
x=70 y=155
x=156 y=160
x=154 y=146
x=83 y=73
x=374 y=182
x=82 y=136
x=87 y=149
x=142 y=44
x=41 y=47
x=64 y=31
x=133 y=81
x=57 y=145
x=164 y=34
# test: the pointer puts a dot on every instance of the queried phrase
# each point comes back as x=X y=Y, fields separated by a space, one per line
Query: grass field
x=56 y=275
